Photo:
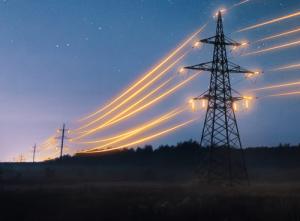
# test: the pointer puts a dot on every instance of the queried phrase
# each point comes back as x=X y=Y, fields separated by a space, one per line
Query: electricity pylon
x=220 y=131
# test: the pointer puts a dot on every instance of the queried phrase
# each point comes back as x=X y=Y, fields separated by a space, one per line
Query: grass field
x=148 y=189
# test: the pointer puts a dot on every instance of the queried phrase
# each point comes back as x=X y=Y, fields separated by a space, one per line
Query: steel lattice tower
x=220 y=131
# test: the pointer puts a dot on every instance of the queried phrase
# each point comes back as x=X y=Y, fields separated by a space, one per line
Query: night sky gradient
x=60 y=60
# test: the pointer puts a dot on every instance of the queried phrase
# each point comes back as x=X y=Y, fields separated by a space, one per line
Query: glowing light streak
x=166 y=131
x=277 y=86
x=150 y=73
x=137 y=129
x=295 y=43
x=133 y=105
x=241 y=3
x=271 y=21
x=132 y=95
x=293 y=66
x=279 y=35
x=160 y=97
x=284 y=94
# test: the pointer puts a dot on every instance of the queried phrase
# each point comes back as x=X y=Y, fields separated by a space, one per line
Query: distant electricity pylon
x=62 y=138
x=34 y=152
x=220 y=131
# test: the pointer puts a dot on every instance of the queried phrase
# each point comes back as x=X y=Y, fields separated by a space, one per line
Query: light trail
x=47 y=144
x=284 y=94
x=270 y=21
x=139 y=130
x=295 y=43
x=293 y=66
x=153 y=101
x=277 y=86
x=279 y=35
x=166 y=131
x=133 y=94
x=240 y=3
x=147 y=75
x=132 y=106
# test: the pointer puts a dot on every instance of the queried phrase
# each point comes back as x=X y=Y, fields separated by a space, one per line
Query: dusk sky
x=61 y=60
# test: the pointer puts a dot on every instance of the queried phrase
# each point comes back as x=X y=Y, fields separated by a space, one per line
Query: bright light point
x=204 y=103
x=235 y=106
x=248 y=98
x=244 y=43
x=192 y=103
x=222 y=10
x=182 y=70
x=253 y=74
x=197 y=44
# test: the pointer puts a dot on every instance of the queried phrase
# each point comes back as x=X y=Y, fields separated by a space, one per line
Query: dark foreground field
x=149 y=185
x=124 y=201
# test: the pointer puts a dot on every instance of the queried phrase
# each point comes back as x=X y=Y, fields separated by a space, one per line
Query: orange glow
x=235 y=106
x=148 y=124
x=293 y=66
x=166 y=131
x=279 y=35
x=192 y=103
x=133 y=94
x=138 y=102
x=248 y=97
x=247 y=100
x=271 y=21
x=285 y=94
x=204 y=103
x=140 y=129
x=182 y=70
x=277 y=86
x=253 y=75
x=222 y=10
x=147 y=75
x=244 y=43
x=116 y=119
x=197 y=44
x=247 y=104
x=295 y=43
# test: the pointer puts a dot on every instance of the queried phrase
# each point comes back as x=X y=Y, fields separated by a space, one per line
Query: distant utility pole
x=34 y=151
x=21 y=158
x=62 y=139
